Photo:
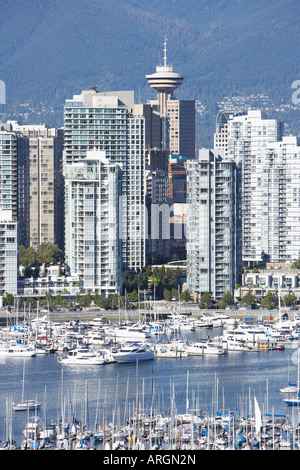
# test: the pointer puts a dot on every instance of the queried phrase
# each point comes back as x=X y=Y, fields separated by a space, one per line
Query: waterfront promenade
x=161 y=310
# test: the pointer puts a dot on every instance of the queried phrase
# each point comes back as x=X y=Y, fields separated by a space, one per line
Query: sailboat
x=291 y=388
x=25 y=405
x=293 y=401
x=296 y=400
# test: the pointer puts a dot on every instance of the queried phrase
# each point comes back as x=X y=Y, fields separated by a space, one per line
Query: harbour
x=221 y=399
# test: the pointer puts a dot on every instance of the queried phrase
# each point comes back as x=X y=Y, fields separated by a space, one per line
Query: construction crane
x=171 y=171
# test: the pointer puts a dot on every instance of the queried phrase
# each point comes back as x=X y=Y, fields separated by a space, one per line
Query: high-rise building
x=157 y=226
x=248 y=135
x=213 y=224
x=106 y=122
x=221 y=133
x=280 y=201
x=8 y=253
x=93 y=242
x=32 y=179
x=181 y=118
x=9 y=171
x=45 y=191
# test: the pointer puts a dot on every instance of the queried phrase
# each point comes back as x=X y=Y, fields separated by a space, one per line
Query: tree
x=269 y=301
x=48 y=301
x=226 y=300
x=289 y=299
x=27 y=259
x=8 y=299
x=206 y=300
x=174 y=293
x=49 y=253
x=296 y=264
x=185 y=295
x=248 y=299
x=167 y=294
x=133 y=296
x=59 y=300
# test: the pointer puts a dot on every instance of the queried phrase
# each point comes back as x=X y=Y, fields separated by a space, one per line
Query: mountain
x=52 y=49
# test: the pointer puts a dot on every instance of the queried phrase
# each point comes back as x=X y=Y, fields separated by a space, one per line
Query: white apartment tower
x=248 y=135
x=9 y=171
x=280 y=201
x=8 y=253
x=93 y=189
x=213 y=225
x=106 y=122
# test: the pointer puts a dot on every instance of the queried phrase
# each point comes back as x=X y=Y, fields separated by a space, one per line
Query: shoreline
x=114 y=316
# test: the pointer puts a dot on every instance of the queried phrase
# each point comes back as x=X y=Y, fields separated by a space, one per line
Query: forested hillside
x=52 y=49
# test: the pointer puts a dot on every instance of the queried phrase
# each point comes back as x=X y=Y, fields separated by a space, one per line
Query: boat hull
x=26 y=406
x=125 y=358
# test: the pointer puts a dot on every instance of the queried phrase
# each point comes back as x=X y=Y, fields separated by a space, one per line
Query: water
x=109 y=391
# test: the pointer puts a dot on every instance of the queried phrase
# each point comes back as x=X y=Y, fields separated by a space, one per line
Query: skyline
x=125 y=128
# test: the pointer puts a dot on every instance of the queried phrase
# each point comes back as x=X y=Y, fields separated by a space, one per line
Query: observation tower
x=164 y=81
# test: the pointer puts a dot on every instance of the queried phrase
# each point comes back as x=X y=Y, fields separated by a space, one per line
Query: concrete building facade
x=213 y=225
x=93 y=243
x=106 y=122
x=248 y=135
x=8 y=253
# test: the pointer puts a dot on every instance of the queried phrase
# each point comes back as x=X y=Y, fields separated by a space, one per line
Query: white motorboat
x=172 y=349
x=108 y=354
x=81 y=356
x=236 y=345
x=15 y=349
x=133 y=353
x=195 y=349
x=98 y=322
x=128 y=333
x=214 y=348
x=95 y=337
x=203 y=323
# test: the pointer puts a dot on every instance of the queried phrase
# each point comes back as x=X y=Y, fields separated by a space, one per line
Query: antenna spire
x=165 y=52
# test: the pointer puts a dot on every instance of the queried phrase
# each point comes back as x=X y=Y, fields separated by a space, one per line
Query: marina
x=160 y=387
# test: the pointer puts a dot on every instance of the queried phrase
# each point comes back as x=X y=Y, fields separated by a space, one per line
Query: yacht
x=81 y=356
x=237 y=345
x=171 y=349
x=108 y=353
x=133 y=353
x=15 y=349
x=128 y=333
x=195 y=349
x=95 y=337
x=214 y=348
x=98 y=322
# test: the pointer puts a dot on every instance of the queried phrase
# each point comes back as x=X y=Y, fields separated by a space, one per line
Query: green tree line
x=31 y=259
x=270 y=300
